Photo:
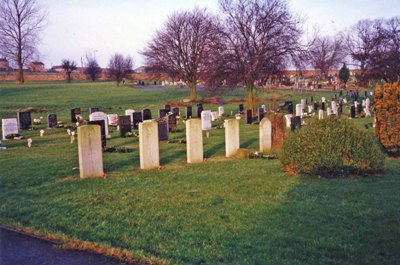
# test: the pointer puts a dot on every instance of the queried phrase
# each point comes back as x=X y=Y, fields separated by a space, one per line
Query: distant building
x=4 y=65
x=142 y=70
x=36 y=67
x=57 y=68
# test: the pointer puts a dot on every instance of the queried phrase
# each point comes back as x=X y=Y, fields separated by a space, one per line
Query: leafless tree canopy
x=120 y=66
x=21 y=21
x=183 y=45
x=326 y=53
x=261 y=37
x=92 y=67
x=68 y=66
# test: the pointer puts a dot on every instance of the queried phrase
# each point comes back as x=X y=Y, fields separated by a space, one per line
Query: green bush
x=332 y=148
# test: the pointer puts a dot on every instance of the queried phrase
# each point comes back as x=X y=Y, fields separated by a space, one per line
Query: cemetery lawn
x=223 y=211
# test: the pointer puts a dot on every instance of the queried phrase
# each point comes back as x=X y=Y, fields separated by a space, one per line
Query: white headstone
x=310 y=108
x=194 y=141
x=320 y=114
x=323 y=99
x=264 y=107
x=334 y=107
x=367 y=102
x=129 y=112
x=214 y=116
x=367 y=112
x=303 y=104
x=328 y=111
x=345 y=101
x=90 y=151
x=112 y=119
x=9 y=126
x=363 y=103
x=41 y=133
x=288 y=122
x=232 y=142
x=265 y=135
x=220 y=110
x=206 y=120
x=299 y=110
x=29 y=142
x=99 y=116
x=148 y=145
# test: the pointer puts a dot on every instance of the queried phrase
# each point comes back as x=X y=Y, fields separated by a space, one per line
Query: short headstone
x=249 y=116
x=112 y=119
x=137 y=118
x=206 y=120
x=89 y=151
x=51 y=121
x=167 y=107
x=310 y=108
x=175 y=111
x=163 y=128
x=148 y=145
x=162 y=113
x=328 y=112
x=194 y=141
x=102 y=124
x=315 y=106
x=214 y=116
x=74 y=113
x=265 y=135
x=288 y=118
x=323 y=99
x=241 y=108
x=188 y=112
x=172 y=125
x=220 y=111
x=9 y=126
x=320 y=114
x=24 y=120
x=290 y=108
x=295 y=122
x=95 y=109
x=146 y=114
x=199 y=109
x=260 y=114
x=129 y=112
x=232 y=141
x=100 y=116
x=299 y=110
x=125 y=125
x=367 y=112
x=303 y=104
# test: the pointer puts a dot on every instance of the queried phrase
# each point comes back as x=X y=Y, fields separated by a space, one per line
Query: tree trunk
x=193 y=94
x=21 y=78
x=249 y=96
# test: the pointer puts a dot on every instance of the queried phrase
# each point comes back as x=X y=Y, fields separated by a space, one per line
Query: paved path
x=19 y=249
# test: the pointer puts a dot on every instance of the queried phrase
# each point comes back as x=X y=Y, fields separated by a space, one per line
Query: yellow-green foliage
x=332 y=148
x=387 y=105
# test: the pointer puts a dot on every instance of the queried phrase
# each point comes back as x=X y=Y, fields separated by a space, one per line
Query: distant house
x=142 y=70
x=4 y=65
x=36 y=67
x=57 y=68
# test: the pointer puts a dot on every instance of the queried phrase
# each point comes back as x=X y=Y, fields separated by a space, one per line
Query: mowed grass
x=223 y=211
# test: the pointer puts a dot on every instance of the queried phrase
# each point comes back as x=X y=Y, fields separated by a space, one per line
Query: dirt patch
x=214 y=100
x=32 y=109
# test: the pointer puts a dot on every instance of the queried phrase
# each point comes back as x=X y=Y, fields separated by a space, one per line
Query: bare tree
x=261 y=37
x=21 y=22
x=120 y=66
x=182 y=46
x=326 y=53
x=92 y=67
x=69 y=67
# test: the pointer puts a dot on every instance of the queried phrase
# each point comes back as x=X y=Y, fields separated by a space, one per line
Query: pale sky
x=125 y=26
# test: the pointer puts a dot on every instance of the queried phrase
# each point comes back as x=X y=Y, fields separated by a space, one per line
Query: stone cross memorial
x=194 y=141
x=125 y=125
x=51 y=121
x=232 y=140
x=90 y=152
x=9 y=126
x=265 y=135
x=24 y=120
x=148 y=145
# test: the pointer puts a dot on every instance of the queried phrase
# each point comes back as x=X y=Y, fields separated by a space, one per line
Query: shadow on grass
x=248 y=143
x=213 y=150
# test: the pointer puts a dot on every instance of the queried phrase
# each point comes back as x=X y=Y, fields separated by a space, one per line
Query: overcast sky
x=104 y=27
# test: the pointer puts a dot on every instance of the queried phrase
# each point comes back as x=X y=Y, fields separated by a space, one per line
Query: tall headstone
x=9 y=126
x=74 y=113
x=188 y=112
x=315 y=106
x=172 y=125
x=312 y=99
x=51 y=121
x=148 y=145
x=90 y=152
x=94 y=109
x=249 y=116
x=137 y=118
x=199 y=109
x=194 y=141
x=146 y=114
x=232 y=140
x=206 y=120
x=102 y=125
x=24 y=120
x=100 y=116
x=125 y=125
x=163 y=128
x=162 y=113
x=167 y=107
x=265 y=135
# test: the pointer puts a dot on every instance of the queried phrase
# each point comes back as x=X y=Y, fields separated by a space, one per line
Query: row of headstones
x=90 y=150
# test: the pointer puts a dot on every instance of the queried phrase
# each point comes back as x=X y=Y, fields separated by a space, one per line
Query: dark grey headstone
x=51 y=121
x=188 y=112
x=199 y=109
x=137 y=118
x=95 y=109
x=323 y=106
x=260 y=114
x=175 y=111
x=312 y=99
x=241 y=108
x=340 y=110
x=352 y=111
x=365 y=94
x=341 y=93
x=146 y=114
x=167 y=107
x=74 y=112
x=102 y=124
x=249 y=116
x=162 y=113
x=295 y=122
x=290 y=108
x=163 y=129
x=172 y=123
x=359 y=108
x=315 y=106
x=24 y=120
x=125 y=125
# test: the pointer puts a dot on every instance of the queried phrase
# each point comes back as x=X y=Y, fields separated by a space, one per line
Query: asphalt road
x=20 y=249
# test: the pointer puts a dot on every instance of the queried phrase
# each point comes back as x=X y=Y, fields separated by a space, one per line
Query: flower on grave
x=104 y=175
x=29 y=142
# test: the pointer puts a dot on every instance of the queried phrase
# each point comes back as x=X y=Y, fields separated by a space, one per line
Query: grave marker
x=89 y=151
x=129 y=112
x=148 y=145
x=162 y=113
x=295 y=122
x=74 y=113
x=172 y=125
x=175 y=111
x=188 y=112
x=137 y=118
x=163 y=128
x=112 y=119
x=232 y=143
x=9 y=126
x=249 y=116
x=91 y=110
x=265 y=135
x=125 y=125
x=206 y=120
x=221 y=111
x=199 y=109
x=146 y=114
x=51 y=121
x=167 y=107
x=194 y=141
x=102 y=124
x=100 y=116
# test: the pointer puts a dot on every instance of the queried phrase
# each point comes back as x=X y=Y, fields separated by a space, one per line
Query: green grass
x=224 y=211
